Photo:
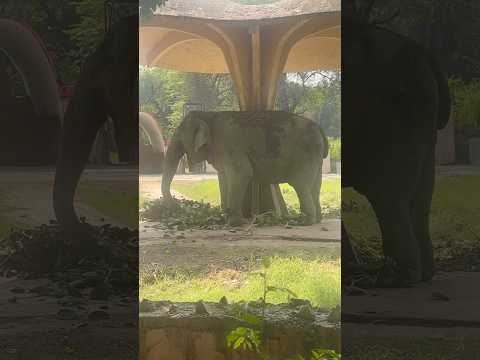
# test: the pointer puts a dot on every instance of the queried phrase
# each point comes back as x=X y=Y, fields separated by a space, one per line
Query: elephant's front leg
x=239 y=174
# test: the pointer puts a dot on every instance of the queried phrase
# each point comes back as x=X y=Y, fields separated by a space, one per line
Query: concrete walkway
x=200 y=250
x=449 y=300
x=457 y=170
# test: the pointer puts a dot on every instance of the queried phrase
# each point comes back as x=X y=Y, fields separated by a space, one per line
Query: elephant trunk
x=174 y=154
x=76 y=140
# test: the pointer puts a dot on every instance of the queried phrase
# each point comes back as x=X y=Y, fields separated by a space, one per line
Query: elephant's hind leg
x=307 y=206
x=399 y=242
x=420 y=212
x=316 y=187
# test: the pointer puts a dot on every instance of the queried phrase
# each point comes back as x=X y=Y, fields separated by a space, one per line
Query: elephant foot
x=308 y=220
x=392 y=281
x=236 y=221
x=392 y=276
x=427 y=275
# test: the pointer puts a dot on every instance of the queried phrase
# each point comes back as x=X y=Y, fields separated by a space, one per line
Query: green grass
x=208 y=191
x=5 y=228
x=320 y=283
x=203 y=190
x=454 y=220
x=114 y=201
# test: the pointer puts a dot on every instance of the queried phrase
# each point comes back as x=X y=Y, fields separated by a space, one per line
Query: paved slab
x=35 y=327
x=450 y=299
x=457 y=170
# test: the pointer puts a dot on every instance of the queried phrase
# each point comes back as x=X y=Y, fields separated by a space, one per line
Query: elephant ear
x=202 y=135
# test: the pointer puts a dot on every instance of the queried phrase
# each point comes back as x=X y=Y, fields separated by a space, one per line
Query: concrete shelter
x=254 y=43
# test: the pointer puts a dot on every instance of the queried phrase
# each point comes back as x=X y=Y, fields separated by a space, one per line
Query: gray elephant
x=394 y=99
x=269 y=147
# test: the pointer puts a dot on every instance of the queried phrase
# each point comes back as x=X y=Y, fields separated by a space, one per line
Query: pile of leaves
x=184 y=214
x=190 y=214
x=109 y=268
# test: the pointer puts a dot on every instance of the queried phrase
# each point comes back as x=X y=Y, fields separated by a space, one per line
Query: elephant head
x=193 y=138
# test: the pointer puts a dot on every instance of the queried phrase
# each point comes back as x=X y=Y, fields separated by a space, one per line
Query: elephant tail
x=326 y=145
x=316 y=139
x=444 y=107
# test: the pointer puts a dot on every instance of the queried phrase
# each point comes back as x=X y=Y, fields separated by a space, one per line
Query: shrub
x=335 y=148
x=466 y=102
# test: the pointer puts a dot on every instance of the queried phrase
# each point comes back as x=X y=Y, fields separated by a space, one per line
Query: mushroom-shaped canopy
x=195 y=35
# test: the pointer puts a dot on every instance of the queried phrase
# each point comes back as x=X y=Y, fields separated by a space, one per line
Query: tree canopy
x=164 y=93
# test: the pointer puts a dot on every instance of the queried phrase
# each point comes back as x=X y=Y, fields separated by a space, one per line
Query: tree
x=313 y=94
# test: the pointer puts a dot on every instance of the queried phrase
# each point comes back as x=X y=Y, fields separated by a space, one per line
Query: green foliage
x=313 y=94
x=186 y=214
x=321 y=354
x=244 y=338
x=335 y=149
x=146 y=7
x=87 y=33
x=253 y=339
x=190 y=214
x=466 y=102
x=70 y=30
x=163 y=93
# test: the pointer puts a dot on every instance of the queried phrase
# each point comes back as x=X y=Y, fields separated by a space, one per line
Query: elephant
x=35 y=119
x=107 y=88
x=269 y=147
x=151 y=155
x=394 y=99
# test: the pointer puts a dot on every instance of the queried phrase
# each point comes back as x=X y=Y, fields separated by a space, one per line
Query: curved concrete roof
x=229 y=10
x=179 y=36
